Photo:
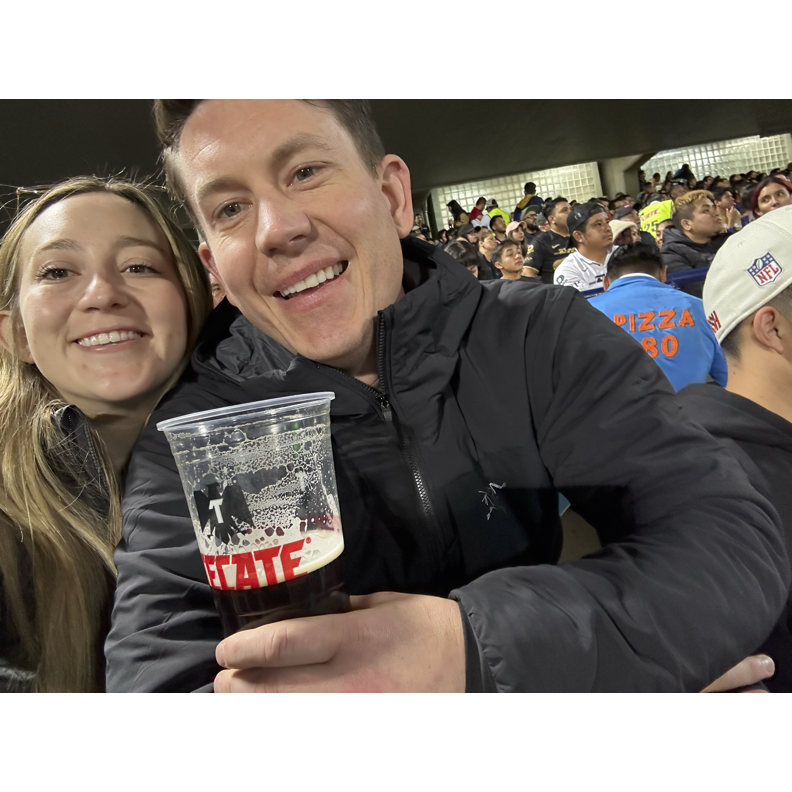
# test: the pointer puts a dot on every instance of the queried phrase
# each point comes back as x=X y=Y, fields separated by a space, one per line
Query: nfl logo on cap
x=765 y=270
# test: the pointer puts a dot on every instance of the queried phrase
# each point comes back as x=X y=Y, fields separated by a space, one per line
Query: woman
x=514 y=231
x=461 y=217
x=771 y=193
x=102 y=299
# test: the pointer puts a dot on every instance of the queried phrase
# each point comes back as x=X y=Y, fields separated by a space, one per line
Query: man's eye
x=231 y=210
x=304 y=173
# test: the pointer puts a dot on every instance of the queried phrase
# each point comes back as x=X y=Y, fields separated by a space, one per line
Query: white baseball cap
x=751 y=268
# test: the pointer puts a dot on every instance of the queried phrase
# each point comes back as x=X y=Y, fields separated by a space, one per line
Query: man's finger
x=292 y=642
x=299 y=679
x=747 y=672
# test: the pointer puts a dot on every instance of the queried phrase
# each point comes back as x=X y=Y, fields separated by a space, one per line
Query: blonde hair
x=68 y=539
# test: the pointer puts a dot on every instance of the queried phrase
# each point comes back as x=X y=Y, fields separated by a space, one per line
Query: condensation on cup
x=260 y=484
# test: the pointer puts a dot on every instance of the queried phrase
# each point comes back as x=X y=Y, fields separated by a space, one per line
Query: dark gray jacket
x=679 y=254
x=441 y=497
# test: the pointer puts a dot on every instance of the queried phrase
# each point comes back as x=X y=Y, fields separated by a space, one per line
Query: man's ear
x=606 y=283
x=685 y=224
x=663 y=276
x=395 y=177
x=770 y=329
x=208 y=261
x=18 y=347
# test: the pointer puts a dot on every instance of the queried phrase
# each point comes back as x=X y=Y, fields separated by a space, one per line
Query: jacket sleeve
x=694 y=571
x=719 y=370
x=164 y=626
x=674 y=259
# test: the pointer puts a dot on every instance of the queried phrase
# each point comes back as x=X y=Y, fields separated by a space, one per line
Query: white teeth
x=328 y=273
x=113 y=337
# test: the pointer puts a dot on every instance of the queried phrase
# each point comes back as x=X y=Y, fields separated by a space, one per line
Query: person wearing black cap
x=548 y=249
x=469 y=233
x=585 y=268
x=630 y=213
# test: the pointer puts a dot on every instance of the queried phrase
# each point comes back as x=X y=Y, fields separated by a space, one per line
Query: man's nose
x=105 y=290
x=281 y=225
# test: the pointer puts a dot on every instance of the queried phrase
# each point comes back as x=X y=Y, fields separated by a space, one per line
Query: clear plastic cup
x=260 y=484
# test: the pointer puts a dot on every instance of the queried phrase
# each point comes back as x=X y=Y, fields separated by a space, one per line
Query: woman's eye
x=140 y=268
x=53 y=273
x=304 y=173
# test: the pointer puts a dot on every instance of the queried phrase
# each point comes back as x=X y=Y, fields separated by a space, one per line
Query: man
x=591 y=235
x=487 y=245
x=509 y=260
x=678 y=189
x=748 y=299
x=531 y=220
x=549 y=248
x=465 y=254
x=530 y=199
x=730 y=218
x=630 y=213
x=454 y=508
x=494 y=211
x=498 y=228
x=696 y=237
x=669 y=324
x=478 y=211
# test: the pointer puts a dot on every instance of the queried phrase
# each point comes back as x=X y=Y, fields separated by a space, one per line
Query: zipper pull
x=386 y=409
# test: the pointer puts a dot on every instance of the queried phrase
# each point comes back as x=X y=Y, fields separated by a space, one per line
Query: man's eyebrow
x=280 y=155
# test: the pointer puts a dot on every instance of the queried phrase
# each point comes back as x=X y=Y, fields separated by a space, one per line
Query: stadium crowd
x=633 y=355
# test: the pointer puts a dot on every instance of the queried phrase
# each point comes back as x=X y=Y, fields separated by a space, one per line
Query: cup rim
x=272 y=407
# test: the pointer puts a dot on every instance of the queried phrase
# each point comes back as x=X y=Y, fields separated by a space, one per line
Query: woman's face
x=772 y=197
x=103 y=312
x=517 y=235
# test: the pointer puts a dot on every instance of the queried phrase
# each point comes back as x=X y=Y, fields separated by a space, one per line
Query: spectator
x=630 y=213
x=530 y=199
x=624 y=232
x=591 y=235
x=218 y=292
x=685 y=173
x=656 y=210
x=460 y=216
x=696 y=237
x=494 y=211
x=748 y=299
x=469 y=233
x=442 y=236
x=102 y=299
x=498 y=227
x=724 y=202
x=420 y=225
x=508 y=259
x=706 y=182
x=531 y=220
x=669 y=324
x=677 y=190
x=661 y=227
x=478 y=210
x=416 y=450
x=515 y=232
x=771 y=193
x=487 y=245
x=551 y=247
x=465 y=254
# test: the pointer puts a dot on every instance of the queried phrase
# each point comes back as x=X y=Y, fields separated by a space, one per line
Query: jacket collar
x=646 y=282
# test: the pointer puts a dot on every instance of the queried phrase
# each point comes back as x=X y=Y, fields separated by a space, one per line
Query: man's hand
x=387 y=643
x=747 y=672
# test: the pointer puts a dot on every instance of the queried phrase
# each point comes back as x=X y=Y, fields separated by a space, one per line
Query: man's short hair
x=354 y=115
x=635 y=257
x=685 y=205
x=719 y=192
x=732 y=343
x=530 y=187
x=497 y=217
x=481 y=200
x=498 y=252
x=550 y=206
x=463 y=252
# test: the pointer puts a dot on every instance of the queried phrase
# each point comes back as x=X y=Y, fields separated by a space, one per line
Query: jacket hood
x=673 y=237
x=727 y=415
x=233 y=348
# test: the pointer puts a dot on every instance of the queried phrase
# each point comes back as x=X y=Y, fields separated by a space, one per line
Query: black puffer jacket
x=762 y=442
x=679 y=254
x=439 y=496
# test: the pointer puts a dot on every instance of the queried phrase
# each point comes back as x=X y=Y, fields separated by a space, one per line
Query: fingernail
x=768 y=665
x=220 y=683
x=220 y=655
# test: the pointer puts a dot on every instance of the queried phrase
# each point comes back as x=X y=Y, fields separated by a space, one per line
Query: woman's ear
x=19 y=348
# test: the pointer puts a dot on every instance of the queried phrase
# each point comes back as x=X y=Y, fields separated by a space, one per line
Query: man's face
x=530 y=222
x=488 y=242
x=288 y=207
x=511 y=260
x=726 y=201
x=558 y=220
x=598 y=234
x=498 y=224
x=705 y=222
x=676 y=191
